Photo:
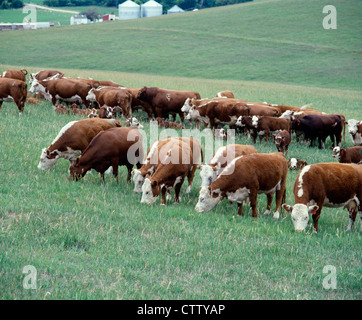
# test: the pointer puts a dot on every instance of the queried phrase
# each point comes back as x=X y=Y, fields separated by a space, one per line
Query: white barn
x=78 y=19
x=129 y=10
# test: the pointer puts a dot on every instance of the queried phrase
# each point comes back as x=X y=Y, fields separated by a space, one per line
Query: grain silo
x=129 y=10
x=151 y=9
x=175 y=9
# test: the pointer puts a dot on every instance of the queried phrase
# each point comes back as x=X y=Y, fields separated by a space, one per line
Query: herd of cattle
x=236 y=172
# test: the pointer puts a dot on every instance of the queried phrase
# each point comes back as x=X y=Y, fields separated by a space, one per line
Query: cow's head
x=207 y=199
x=48 y=159
x=255 y=121
x=352 y=126
x=37 y=87
x=91 y=96
x=133 y=122
x=142 y=93
x=193 y=114
x=187 y=105
x=239 y=122
x=75 y=171
x=300 y=214
x=336 y=152
x=150 y=191
x=138 y=179
x=207 y=174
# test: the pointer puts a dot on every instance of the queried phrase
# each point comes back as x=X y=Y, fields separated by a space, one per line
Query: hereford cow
x=320 y=127
x=166 y=102
x=225 y=94
x=348 y=155
x=215 y=112
x=221 y=158
x=133 y=122
x=45 y=74
x=296 y=164
x=265 y=125
x=282 y=141
x=179 y=160
x=355 y=130
x=12 y=90
x=15 y=74
x=112 y=97
x=65 y=89
x=73 y=139
x=138 y=104
x=324 y=184
x=244 y=177
x=111 y=148
x=107 y=83
x=105 y=112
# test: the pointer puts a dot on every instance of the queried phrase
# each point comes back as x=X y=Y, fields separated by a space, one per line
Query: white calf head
x=239 y=122
x=293 y=163
x=300 y=215
x=193 y=114
x=138 y=180
x=47 y=159
x=254 y=121
x=207 y=200
x=352 y=126
x=336 y=152
x=91 y=95
x=207 y=174
x=187 y=105
x=148 y=192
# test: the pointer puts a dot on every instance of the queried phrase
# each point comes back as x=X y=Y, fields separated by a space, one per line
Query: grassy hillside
x=90 y=240
x=273 y=41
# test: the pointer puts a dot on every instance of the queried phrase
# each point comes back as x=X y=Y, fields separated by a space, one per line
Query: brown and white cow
x=112 y=97
x=265 y=125
x=15 y=74
x=180 y=160
x=225 y=94
x=348 y=155
x=166 y=102
x=296 y=164
x=246 y=177
x=110 y=148
x=45 y=74
x=73 y=139
x=282 y=141
x=324 y=184
x=69 y=90
x=355 y=130
x=133 y=122
x=105 y=112
x=12 y=90
x=221 y=158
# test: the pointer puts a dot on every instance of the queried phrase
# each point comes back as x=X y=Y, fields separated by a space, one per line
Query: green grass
x=90 y=240
x=279 y=41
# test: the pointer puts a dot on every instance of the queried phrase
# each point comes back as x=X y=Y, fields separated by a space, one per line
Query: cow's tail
x=24 y=71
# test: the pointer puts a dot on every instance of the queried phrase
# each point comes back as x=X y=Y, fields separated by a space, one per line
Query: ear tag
x=314 y=212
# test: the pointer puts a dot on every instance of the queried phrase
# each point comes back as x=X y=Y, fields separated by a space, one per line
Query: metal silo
x=151 y=9
x=129 y=10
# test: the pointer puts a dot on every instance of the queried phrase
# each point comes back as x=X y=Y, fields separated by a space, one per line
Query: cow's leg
x=178 y=189
x=253 y=195
x=1 y=103
x=163 y=196
x=352 y=218
x=182 y=117
x=190 y=178
x=280 y=196
x=269 y=197
x=240 y=209
x=316 y=217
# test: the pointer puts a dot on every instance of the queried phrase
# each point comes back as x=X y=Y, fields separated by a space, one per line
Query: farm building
x=175 y=9
x=151 y=9
x=78 y=19
x=128 y=10
x=109 y=17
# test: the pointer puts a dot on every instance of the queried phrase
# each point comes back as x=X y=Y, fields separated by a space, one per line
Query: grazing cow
x=225 y=94
x=59 y=108
x=355 y=130
x=110 y=148
x=105 y=112
x=166 y=102
x=15 y=74
x=179 y=159
x=133 y=122
x=221 y=158
x=348 y=155
x=45 y=74
x=282 y=141
x=223 y=111
x=244 y=177
x=12 y=90
x=324 y=184
x=296 y=164
x=65 y=89
x=73 y=139
x=320 y=127
x=112 y=97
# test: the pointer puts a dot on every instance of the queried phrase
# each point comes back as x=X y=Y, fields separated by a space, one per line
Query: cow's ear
x=287 y=207
x=342 y=151
x=154 y=184
x=313 y=209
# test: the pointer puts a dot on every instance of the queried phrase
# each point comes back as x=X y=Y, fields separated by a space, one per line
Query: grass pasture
x=90 y=240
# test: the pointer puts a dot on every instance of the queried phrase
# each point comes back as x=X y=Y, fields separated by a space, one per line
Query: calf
x=105 y=112
x=244 y=177
x=12 y=90
x=32 y=100
x=74 y=109
x=348 y=155
x=264 y=125
x=73 y=139
x=355 y=130
x=180 y=160
x=282 y=141
x=15 y=74
x=113 y=147
x=133 y=122
x=296 y=164
x=221 y=158
x=61 y=109
x=324 y=184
